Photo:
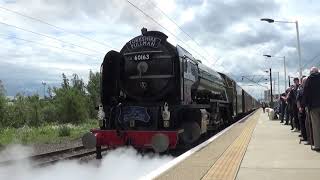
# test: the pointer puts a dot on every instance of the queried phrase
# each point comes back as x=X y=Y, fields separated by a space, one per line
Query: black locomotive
x=156 y=95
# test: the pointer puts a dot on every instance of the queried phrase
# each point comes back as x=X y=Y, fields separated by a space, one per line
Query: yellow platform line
x=226 y=167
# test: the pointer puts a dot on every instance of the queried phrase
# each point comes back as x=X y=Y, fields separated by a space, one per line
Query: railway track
x=52 y=157
x=80 y=152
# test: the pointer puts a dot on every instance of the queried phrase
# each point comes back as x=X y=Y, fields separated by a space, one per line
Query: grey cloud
x=20 y=78
x=115 y=22
x=218 y=15
x=211 y=25
x=259 y=36
x=189 y=3
x=110 y=11
x=310 y=53
x=27 y=78
x=309 y=50
x=103 y=18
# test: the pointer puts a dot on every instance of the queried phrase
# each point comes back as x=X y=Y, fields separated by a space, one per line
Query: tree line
x=73 y=102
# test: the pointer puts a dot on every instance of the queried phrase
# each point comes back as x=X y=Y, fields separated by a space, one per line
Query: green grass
x=50 y=133
x=64 y=131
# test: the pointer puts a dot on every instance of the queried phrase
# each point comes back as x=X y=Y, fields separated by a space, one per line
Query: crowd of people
x=299 y=107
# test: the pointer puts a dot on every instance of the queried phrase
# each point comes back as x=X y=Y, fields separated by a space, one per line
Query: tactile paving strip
x=226 y=167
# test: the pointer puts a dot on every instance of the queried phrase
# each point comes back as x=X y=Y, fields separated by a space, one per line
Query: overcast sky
x=227 y=35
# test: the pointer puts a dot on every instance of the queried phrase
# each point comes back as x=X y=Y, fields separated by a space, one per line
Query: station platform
x=255 y=148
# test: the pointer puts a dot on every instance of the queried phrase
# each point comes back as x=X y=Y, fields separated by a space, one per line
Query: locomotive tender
x=155 y=95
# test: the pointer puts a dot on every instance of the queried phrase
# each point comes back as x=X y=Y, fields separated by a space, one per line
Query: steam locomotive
x=157 y=96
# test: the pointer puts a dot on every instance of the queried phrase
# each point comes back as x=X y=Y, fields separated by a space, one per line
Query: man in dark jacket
x=288 y=114
x=302 y=111
x=282 y=107
x=293 y=101
x=311 y=99
x=290 y=107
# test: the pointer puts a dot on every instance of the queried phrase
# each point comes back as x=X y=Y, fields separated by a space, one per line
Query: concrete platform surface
x=197 y=165
x=274 y=153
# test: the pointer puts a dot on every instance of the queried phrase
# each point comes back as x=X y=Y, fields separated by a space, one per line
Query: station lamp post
x=284 y=67
x=298 y=38
x=271 y=95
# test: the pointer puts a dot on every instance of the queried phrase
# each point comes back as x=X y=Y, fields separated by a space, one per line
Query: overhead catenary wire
x=256 y=78
x=42 y=44
x=253 y=81
x=181 y=29
x=313 y=59
x=98 y=42
x=155 y=21
x=56 y=27
x=47 y=36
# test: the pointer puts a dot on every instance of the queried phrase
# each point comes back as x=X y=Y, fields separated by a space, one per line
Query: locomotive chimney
x=144 y=31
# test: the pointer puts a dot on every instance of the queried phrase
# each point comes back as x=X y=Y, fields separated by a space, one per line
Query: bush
x=33 y=102
x=49 y=113
x=16 y=115
x=24 y=111
x=93 y=89
x=3 y=107
x=71 y=106
x=73 y=102
x=64 y=131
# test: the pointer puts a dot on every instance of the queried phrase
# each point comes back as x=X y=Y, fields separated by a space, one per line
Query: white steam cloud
x=118 y=164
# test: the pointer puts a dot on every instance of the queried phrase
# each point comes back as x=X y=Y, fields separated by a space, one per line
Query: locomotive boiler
x=156 y=95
